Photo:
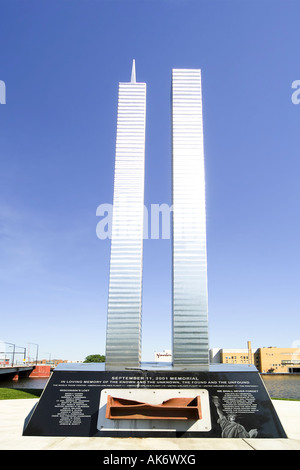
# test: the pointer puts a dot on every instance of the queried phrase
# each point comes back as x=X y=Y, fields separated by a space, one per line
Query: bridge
x=14 y=372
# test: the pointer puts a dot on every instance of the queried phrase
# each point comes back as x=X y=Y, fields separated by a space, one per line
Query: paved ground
x=14 y=412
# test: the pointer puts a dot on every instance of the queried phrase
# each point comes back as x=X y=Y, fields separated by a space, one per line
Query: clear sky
x=61 y=61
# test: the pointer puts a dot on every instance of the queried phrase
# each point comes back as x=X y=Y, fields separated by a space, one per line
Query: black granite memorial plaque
x=234 y=403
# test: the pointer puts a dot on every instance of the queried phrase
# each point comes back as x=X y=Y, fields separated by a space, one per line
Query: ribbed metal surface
x=123 y=339
x=190 y=322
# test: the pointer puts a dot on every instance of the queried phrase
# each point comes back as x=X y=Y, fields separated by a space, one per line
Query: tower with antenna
x=123 y=336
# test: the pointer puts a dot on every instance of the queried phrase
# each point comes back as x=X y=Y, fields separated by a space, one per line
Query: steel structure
x=123 y=337
x=190 y=310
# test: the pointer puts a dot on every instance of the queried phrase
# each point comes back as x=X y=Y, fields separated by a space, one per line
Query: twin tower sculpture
x=189 y=276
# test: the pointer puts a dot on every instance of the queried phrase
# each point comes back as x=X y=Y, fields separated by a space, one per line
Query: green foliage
x=94 y=358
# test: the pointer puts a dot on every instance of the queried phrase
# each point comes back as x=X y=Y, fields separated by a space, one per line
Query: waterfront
x=278 y=386
x=283 y=386
x=36 y=383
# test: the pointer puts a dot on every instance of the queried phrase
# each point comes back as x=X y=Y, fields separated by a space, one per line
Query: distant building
x=215 y=356
x=279 y=360
x=234 y=356
x=165 y=356
x=271 y=359
x=4 y=361
x=52 y=362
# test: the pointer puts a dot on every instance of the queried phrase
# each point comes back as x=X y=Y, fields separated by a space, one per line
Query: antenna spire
x=133 y=74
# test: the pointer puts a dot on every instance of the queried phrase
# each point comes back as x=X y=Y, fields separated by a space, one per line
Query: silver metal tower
x=190 y=322
x=123 y=338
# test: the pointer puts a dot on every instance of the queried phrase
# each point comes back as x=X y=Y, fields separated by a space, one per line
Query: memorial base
x=156 y=400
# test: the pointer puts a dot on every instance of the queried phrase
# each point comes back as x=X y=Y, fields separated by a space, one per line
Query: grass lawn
x=286 y=399
x=12 y=393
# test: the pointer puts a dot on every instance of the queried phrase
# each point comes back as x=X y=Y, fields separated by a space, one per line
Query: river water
x=278 y=386
x=283 y=386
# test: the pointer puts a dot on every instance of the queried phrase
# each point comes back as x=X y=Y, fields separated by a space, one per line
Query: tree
x=94 y=358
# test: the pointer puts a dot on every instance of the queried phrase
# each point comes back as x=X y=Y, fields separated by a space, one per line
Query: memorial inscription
x=72 y=406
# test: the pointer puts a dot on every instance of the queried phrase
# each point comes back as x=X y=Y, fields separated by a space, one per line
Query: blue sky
x=61 y=61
